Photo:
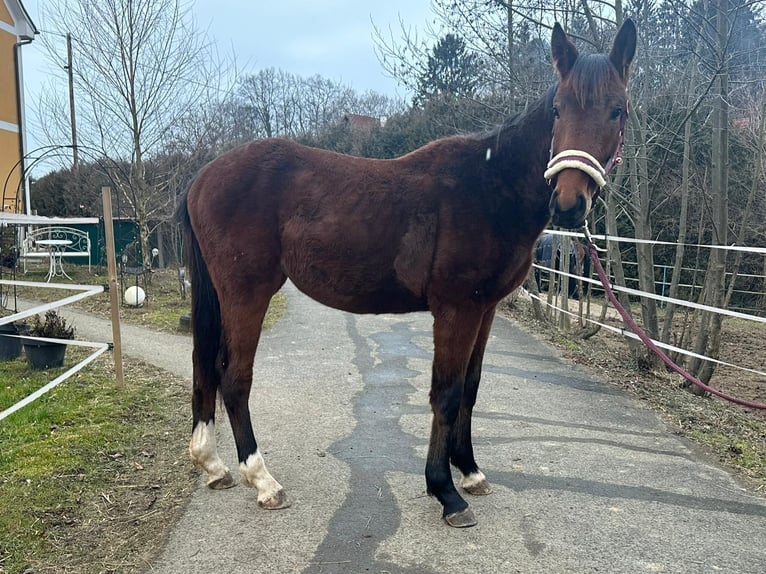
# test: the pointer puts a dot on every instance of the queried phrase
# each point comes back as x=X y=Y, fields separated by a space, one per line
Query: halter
x=577 y=159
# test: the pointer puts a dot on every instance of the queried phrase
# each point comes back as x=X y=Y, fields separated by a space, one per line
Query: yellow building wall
x=10 y=172
x=10 y=154
x=8 y=108
x=5 y=16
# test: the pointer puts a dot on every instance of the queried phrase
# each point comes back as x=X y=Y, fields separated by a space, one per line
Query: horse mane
x=514 y=125
x=519 y=117
x=590 y=78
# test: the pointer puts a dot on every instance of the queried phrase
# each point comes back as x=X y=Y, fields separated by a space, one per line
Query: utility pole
x=511 y=55
x=70 y=73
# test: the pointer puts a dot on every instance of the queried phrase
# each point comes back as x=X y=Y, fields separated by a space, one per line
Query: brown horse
x=448 y=228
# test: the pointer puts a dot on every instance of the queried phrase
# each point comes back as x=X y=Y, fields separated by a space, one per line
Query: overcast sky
x=332 y=38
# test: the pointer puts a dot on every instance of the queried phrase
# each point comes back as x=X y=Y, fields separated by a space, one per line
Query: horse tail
x=210 y=354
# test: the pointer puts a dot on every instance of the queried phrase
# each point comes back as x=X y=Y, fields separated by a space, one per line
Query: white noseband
x=576 y=159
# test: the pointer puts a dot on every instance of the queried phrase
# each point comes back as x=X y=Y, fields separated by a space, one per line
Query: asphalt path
x=586 y=479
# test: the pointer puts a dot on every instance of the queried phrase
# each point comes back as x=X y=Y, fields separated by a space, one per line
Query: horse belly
x=350 y=279
x=362 y=247
x=377 y=298
x=375 y=302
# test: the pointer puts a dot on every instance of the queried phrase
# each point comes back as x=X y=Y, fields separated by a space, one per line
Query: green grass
x=59 y=452
x=69 y=484
x=47 y=449
x=562 y=340
x=739 y=442
x=748 y=453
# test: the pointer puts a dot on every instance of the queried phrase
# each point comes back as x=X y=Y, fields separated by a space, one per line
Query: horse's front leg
x=473 y=481
x=455 y=333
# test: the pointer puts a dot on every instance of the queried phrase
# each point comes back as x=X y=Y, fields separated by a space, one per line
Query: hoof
x=463 y=519
x=226 y=481
x=481 y=488
x=275 y=502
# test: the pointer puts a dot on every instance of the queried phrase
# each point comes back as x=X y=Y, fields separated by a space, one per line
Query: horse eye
x=616 y=113
x=556 y=112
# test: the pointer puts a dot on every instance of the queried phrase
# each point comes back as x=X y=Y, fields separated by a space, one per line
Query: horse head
x=590 y=110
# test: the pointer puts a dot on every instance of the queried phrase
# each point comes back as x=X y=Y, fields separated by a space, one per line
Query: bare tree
x=274 y=103
x=138 y=67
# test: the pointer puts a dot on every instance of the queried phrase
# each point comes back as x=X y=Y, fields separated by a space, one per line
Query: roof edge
x=24 y=23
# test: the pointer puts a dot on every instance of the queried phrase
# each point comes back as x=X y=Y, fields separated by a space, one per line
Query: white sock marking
x=203 y=452
x=253 y=473
x=472 y=479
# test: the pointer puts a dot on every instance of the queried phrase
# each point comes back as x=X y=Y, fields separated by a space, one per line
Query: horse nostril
x=570 y=217
x=582 y=204
x=553 y=204
x=578 y=209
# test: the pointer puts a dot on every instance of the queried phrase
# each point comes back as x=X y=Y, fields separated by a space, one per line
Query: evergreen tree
x=451 y=70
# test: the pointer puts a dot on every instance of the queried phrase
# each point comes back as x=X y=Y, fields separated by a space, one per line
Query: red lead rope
x=648 y=342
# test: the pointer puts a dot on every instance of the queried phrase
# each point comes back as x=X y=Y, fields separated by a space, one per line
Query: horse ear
x=563 y=51
x=624 y=49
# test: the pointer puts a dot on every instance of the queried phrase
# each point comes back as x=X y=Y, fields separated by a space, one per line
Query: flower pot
x=43 y=355
x=10 y=347
x=184 y=323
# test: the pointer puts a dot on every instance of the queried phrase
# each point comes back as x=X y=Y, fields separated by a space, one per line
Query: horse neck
x=517 y=154
x=523 y=143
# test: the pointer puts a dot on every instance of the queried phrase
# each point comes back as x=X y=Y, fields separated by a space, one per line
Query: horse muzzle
x=572 y=216
x=577 y=178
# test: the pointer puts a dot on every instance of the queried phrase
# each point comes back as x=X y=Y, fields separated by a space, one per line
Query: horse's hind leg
x=473 y=481
x=242 y=325
x=202 y=449
x=455 y=332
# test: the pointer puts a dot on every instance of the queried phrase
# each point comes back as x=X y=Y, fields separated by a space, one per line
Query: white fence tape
x=637 y=293
x=744 y=248
x=86 y=291
x=662 y=298
x=632 y=335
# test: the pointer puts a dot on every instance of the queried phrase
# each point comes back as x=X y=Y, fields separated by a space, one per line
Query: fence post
x=111 y=262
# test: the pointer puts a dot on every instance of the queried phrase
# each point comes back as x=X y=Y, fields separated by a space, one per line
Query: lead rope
x=647 y=340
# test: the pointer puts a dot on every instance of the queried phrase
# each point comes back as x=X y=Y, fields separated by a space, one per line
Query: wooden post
x=114 y=295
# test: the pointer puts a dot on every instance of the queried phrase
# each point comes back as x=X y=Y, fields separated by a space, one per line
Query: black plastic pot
x=10 y=347
x=43 y=355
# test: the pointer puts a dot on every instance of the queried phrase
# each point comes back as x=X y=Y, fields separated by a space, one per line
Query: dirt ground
x=743 y=344
x=733 y=435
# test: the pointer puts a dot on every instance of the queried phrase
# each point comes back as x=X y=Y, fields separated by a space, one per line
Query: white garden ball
x=134 y=296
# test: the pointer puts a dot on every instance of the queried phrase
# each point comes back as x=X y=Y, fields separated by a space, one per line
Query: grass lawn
x=90 y=473
x=93 y=477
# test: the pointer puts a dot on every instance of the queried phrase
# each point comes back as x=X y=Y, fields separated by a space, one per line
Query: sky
x=332 y=38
